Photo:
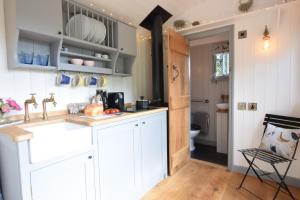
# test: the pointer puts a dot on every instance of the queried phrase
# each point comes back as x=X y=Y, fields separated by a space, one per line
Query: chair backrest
x=282 y=122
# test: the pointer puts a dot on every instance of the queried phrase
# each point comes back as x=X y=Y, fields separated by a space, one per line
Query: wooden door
x=179 y=100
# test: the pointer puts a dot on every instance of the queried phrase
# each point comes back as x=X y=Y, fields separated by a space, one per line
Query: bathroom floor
x=209 y=154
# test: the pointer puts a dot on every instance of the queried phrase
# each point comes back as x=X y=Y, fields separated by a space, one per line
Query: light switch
x=242 y=106
x=252 y=106
x=242 y=34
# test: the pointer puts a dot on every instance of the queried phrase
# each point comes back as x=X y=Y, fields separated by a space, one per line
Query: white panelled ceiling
x=134 y=11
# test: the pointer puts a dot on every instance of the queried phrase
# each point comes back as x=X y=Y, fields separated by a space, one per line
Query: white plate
x=100 y=32
x=94 y=25
x=78 y=26
x=92 y=30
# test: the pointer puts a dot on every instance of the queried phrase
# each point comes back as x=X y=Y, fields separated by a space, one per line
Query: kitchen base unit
x=120 y=159
x=132 y=156
x=64 y=170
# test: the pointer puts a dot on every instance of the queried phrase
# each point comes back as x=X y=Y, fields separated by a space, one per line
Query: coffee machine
x=116 y=100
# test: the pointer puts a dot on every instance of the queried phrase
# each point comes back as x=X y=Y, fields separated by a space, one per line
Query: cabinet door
x=126 y=39
x=69 y=179
x=153 y=137
x=41 y=16
x=117 y=154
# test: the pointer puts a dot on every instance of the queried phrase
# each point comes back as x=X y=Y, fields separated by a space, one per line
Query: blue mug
x=91 y=81
x=63 y=79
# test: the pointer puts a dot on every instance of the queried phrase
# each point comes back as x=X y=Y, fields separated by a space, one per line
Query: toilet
x=193 y=134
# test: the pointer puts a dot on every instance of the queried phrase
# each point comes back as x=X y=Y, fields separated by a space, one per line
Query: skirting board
x=289 y=180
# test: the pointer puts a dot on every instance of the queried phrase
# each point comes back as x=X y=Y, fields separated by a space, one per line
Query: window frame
x=224 y=76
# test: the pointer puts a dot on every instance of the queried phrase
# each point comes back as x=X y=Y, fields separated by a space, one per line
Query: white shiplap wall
x=270 y=78
x=202 y=87
x=18 y=84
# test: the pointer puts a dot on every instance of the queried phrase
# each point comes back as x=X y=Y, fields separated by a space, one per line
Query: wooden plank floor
x=201 y=180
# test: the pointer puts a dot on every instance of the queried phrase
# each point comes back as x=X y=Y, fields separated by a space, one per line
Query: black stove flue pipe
x=154 y=23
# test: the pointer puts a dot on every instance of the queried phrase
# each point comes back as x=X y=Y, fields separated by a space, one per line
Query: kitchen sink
x=58 y=139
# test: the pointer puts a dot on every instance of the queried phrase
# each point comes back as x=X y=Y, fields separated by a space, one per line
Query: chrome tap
x=32 y=100
x=45 y=101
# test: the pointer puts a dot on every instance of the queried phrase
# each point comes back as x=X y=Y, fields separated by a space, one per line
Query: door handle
x=175 y=72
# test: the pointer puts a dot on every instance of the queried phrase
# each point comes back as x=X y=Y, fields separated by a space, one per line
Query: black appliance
x=116 y=100
x=154 y=22
x=142 y=103
x=104 y=98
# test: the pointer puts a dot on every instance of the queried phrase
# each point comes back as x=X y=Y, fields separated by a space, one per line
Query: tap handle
x=52 y=94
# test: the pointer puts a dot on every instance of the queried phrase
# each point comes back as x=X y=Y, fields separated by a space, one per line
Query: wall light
x=266 y=38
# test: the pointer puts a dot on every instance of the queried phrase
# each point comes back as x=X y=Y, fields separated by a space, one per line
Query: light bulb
x=266 y=44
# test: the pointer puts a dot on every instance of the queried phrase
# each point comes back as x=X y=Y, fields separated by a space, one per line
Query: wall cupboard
x=37 y=41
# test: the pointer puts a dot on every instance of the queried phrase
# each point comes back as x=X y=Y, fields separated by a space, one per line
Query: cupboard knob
x=144 y=123
x=59 y=32
x=122 y=49
x=90 y=157
x=136 y=125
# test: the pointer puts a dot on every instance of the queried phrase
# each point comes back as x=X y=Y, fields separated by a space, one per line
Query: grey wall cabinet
x=40 y=16
x=35 y=32
x=126 y=39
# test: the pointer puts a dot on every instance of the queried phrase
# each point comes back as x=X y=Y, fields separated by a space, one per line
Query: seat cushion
x=280 y=141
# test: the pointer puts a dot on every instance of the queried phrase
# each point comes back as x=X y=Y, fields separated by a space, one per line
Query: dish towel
x=201 y=119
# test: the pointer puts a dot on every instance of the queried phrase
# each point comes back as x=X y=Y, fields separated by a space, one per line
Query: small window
x=221 y=65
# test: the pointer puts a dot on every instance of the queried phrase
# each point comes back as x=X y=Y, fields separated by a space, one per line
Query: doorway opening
x=211 y=56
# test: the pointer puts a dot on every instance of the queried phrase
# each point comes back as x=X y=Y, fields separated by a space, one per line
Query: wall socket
x=252 y=106
x=242 y=106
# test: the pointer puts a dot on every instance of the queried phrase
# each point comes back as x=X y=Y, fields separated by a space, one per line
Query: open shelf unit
x=42 y=46
x=78 y=55
x=31 y=47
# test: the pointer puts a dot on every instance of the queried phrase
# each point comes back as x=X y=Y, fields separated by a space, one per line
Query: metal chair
x=255 y=153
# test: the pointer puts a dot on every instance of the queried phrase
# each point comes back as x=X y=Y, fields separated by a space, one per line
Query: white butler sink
x=222 y=106
x=59 y=139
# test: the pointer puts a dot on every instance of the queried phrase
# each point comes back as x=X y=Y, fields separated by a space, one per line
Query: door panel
x=70 y=179
x=117 y=150
x=179 y=100
x=41 y=16
x=152 y=151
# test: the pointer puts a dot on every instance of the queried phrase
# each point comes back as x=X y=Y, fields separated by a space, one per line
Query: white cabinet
x=132 y=157
x=152 y=150
x=222 y=132
x=39 y=16
x=118 y=152
x=70 y=179
x=126 y=39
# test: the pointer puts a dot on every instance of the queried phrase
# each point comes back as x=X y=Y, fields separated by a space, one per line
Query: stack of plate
x=86 y=28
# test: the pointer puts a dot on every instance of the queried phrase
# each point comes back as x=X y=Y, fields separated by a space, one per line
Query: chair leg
x=282 y=182
x=250 y=167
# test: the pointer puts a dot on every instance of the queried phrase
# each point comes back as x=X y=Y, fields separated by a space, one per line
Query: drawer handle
x=143 y=122
x=90 y=157
x=136 y=125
